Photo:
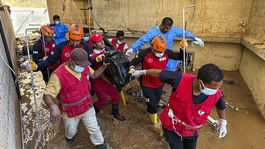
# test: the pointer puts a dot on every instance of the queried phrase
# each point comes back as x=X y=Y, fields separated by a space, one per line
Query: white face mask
x=119 y=42
x=98 y=51
x=57 y=22
x=86 y=38
x=159 y=54
x=207 y=91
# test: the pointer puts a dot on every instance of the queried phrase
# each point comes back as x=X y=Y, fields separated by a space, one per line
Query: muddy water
x=246 y=127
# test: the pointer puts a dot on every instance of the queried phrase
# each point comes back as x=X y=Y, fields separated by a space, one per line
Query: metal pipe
x=184 y=49
x=33 y=88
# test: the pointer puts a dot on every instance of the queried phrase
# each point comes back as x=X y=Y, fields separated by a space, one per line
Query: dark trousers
x=45 y=75
x=177 y=142
x=152 y=96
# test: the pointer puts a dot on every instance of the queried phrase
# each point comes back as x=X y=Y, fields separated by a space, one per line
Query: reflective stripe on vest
x=174 y=119
x=77 y=102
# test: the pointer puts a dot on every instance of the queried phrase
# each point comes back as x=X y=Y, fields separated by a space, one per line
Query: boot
x=115 y=112
x=96 y=109
x=101 y=146
x=153 y=118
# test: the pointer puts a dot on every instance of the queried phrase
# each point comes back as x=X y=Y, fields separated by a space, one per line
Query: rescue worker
x=102 y=85
x=71 y=86
x=190 y=103
x=86 y=35
x=39 y=51
x=118 y=42
x=155 y=57
x=60 y=29
x=169 y=32
x=63 y=50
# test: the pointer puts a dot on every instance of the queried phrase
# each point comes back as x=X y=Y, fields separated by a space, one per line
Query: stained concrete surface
x=246 y=127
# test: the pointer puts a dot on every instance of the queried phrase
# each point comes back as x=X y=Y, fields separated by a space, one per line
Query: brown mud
x=246 y=127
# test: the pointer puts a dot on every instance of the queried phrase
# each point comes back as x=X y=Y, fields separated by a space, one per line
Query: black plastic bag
x=117 y=71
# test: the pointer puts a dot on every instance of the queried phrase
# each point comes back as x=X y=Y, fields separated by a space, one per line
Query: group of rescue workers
x=73 y=68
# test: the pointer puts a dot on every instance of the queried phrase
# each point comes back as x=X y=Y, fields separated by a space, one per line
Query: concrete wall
x=26 y=3
x=27 y=12
x=10 y=120
x=257 y=21
x=226 y=16
x=68 y=13
x=253 y=71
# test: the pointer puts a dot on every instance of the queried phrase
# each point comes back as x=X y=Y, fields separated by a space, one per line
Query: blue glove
x=198 y=41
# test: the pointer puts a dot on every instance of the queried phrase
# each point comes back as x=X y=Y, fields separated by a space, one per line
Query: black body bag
x=117 y=71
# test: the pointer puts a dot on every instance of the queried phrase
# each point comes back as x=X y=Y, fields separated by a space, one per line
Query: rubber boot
x=101 y=146
x=115 y=112
x=96 y=109
x=153 y=118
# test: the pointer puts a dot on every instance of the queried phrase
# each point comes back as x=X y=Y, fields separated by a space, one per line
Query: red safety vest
x=153 y=62
x=120 y=47
x=181 y=115
x=49 y=48
x=74 y=97
x=65 y=56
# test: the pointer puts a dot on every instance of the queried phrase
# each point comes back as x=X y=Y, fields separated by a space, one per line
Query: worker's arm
x=175 y=55
x=178 y=32
x=99 y=71
x=141 y=57
x=37 y=49
x=66 y=28
x=53 y=58
x=104 y=78
x=143 y=40
x=220 y=108
x=50 y=93
x=153 y=72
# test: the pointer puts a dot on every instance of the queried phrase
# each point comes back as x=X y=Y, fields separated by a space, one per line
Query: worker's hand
x=44 y=58
x=100 y=58
x=129 y=52
x=31 y=66
x=138 y=73
x=55 y=114
x=183 y=44
x=104 y=65
x=132 y=70
x=198 y=41
x=222 y=128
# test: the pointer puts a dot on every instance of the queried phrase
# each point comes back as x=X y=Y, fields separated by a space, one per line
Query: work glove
x=183 y=44
x=138 y=73
x=132 y=70
x=100 y=58
x=129 y=52
x=31 y=66
x=55 y=114
x=198 y=41
x=222 y=128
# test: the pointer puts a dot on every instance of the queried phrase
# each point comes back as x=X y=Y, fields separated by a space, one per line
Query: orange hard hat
x=47 y=31
x=159 y=44
x=76 y=32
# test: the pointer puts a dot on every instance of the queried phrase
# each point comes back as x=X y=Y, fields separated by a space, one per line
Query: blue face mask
x=79 y=69
x=86 y=38
x=57 y=22
x=207 y=91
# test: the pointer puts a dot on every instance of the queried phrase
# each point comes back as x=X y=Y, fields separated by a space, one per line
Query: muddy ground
x=246 y=127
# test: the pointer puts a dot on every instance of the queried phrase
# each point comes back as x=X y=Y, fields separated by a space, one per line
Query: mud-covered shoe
x=70 y=140
x=119 y=117
x=101 y=146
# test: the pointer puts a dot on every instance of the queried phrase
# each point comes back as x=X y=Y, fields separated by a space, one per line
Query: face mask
x=97 y=51
x=159 y=54
x=207 y=91
x=57 y=22
x=79 y=69
x=86 y=38
x=119 y=42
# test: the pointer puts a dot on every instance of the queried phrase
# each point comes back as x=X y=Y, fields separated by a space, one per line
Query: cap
x=96 y=37
x=80 y=57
